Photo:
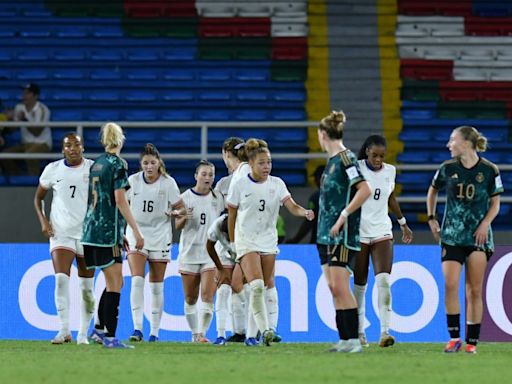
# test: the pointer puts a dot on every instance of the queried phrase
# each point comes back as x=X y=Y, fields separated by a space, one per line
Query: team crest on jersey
x=479 y=177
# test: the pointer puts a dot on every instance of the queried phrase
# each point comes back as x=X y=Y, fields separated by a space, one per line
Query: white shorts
x=153 y=256
x=67 y=243
x=226 y=261
x=243 y=249
x=196 y=269
x=376 y=239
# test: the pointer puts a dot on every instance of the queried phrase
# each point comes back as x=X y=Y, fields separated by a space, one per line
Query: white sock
x=221 y=308
x=272 y=303
x=62 y=300
x=87 y=303
x=258 y=307
x=252 y=328
x=191 y=316
x=157 y=306
x=137 y=301
x=359 y=293
x=384 y=294
x=238 y=305
x=248 y=310
x=206 y=317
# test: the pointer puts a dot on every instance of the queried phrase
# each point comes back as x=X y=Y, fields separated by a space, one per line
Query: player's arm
x=39 y=196
x=394 y=207
x=232 y=212
x=362 y=193
x=177 y=210
x=297 y=210
x=181 y=220
x=482 y=231
x=124 y=208
x=433 y=223
x=210 y=247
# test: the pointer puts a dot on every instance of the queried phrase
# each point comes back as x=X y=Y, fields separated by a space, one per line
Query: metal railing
x=203 y=153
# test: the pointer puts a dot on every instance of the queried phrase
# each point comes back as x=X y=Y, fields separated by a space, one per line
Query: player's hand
x=406 y=234
x=335 y=230
x=126 y=245
x=222 y=277
x=47 y=229
x=310 y=215
x=139 y=241
x=481 y=234
x=435 y=229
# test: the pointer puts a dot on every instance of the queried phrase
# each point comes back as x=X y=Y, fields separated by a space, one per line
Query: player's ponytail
x=112 y=135
x=333 y=125
x=255 y=146
x=471 y=134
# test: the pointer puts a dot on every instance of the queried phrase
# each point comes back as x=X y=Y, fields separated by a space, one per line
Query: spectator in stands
x=473 y=187
x=306 y=225
x=33 y=139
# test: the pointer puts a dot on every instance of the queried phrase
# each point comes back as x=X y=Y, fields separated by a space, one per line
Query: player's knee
x=257 y=287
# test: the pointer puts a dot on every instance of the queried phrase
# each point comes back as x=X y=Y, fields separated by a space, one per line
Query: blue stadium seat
x=24 y=180
x=106 y=55
x=142 y=74
x=67 y=95
x=179 y=74
x=415 y=135
x=143 y=55
x=3 y=180
x=252 y=75
x=418 y=114
x=140 y=115
x=177 y=115
x=104 y=95
x=69 y=55
x=29 y=74
x=180 y=54
x=178 y=95
x=67 y=114
x=415 y=157
x=214 y=115
x=5 y=74
x=213 y=95
x=68 y=74
x=252 y=95
x=103 y=115
x=215 y=74
x=33 y=55
x=107 y=31
x=288 y=115
x=295 y=96
x=140 y=96
x=105 y=74
x=70 y=32
x=440 y=157
x=34 y=32
x=251 y=115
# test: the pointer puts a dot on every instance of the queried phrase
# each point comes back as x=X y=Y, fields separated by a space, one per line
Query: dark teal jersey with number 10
x=103 y=224
x=468 y=193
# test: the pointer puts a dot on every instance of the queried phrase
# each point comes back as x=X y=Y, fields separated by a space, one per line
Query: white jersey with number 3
x=149 y=203
x=375 y=221
x=206 y=208
x=257 y=206
x=70 y=186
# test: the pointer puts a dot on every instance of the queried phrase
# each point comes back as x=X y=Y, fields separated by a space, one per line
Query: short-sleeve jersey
x=104 y=224
x=149 y=203
x=243 y=170
x=468 y=193
x=222 y=186
x=39 y=113
x=337 y=188
x=375 y=221
x=206 y=208
x=219 y=237
x=257 y=206
x=69 y=201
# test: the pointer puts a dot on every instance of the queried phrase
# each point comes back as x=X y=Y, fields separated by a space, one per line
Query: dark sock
x=111 y=312
x=340 y=324
x=101 y=312
x=473 y=334
x=351 y=321
x=454 y=325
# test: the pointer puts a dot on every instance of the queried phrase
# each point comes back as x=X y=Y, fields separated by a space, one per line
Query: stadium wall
x=306 y=311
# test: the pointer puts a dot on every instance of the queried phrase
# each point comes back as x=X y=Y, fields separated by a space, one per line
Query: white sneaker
x=339 y=346
x=61 y=338
x=352 y=346
x=363 y=340
x=82 y=339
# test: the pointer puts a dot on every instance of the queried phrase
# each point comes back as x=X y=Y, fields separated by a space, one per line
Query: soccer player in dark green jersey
x=103 y=228
x=473 y=187
x=343 y=190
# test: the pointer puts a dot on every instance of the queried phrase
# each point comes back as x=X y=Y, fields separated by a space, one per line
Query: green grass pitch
x=170 y=363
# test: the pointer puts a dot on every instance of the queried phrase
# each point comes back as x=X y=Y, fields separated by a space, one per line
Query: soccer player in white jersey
x=219 y=249
x=195 y=265
x=254 y=201
x=69 y=181
x=235 y=159
x=154 y=197
x=376 y=235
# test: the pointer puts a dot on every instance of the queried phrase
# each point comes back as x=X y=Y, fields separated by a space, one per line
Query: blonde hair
x=471 y=134
x=112 y=135
x=255 y=146
x=333 y=125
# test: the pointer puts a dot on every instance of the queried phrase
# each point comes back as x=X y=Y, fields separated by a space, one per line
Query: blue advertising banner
x=306 y=312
